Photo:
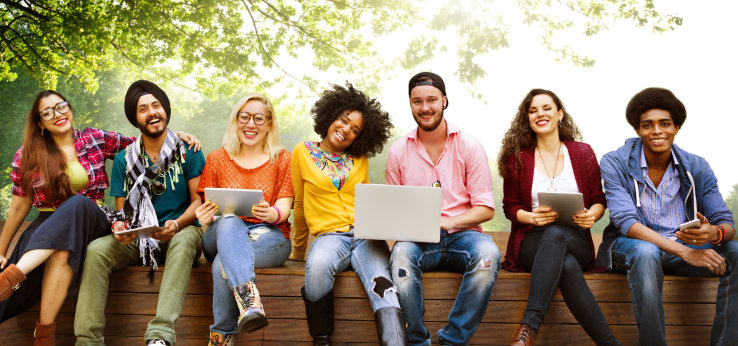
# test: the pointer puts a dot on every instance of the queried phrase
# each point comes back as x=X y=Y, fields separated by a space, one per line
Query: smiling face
x=426 y=104
x=543 y=115
x=657 y=131
x=59 y=124
x=343 y=131
x=249 y=132
x=151 y=117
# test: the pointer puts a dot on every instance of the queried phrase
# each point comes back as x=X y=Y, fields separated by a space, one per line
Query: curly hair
x=520 y=135
x=339 y=99
x=655 y=98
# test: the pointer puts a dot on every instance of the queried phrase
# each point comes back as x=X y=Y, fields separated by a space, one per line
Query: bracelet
x=112 y=226
x=721 y=231
x=176 y=224
x=279 y=216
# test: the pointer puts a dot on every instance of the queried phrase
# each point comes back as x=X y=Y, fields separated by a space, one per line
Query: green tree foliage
x=732 y=200
x=212 y=46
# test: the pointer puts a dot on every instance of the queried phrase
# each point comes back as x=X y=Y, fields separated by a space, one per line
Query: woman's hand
x=585 y=219
x=189 y=139
x=205 y=213
x=542 y=216
x=3 y=262
x=264 y=212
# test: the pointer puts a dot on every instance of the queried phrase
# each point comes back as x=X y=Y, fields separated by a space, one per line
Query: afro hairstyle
x=337 y=100
x=655 y=98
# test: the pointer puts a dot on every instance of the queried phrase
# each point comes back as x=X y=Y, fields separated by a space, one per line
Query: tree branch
x=141 y=66
x=261 y=45
x=24 y=9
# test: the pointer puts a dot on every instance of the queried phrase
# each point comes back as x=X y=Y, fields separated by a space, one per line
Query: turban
x=138 y=89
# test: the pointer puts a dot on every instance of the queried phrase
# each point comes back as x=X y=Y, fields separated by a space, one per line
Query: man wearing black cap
x=438 y=154
x=154 y=182
x=653 y=188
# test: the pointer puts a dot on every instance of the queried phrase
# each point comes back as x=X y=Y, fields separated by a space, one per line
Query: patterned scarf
x=138 y=209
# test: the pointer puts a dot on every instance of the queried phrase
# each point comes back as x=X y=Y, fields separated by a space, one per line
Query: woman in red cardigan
x=541 y=153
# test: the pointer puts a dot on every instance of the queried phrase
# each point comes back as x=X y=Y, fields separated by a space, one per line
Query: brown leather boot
x=525 y=336
x=43 y=335
x=10 y=280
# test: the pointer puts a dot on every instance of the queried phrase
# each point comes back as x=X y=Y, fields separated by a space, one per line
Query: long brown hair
x=41 y=157
x=521 y=136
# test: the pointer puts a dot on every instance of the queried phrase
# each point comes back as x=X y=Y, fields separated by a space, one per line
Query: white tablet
x=141 y=231
x=234 y=201
x=566 y=204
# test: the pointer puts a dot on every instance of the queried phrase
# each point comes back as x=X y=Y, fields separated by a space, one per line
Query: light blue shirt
x=661 y=206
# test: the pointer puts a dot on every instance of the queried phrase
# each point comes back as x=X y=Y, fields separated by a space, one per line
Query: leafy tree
x=732 y=200
x=212 y=46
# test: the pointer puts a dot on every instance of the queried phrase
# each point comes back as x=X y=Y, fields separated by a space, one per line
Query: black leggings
x=555 y=256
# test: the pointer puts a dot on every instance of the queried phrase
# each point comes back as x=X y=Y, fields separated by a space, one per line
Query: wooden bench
x=689 y=304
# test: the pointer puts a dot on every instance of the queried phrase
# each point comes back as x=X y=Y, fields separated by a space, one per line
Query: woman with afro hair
x=352 y=127
x=542 y=152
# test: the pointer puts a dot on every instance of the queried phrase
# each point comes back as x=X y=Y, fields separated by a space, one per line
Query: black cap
x=435 y=80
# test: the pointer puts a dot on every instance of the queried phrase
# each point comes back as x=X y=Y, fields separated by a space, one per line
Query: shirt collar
x=644 y=165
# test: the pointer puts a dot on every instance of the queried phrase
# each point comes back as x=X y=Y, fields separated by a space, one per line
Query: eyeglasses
x=48 y=113
x=155 y=186
x=244 y=117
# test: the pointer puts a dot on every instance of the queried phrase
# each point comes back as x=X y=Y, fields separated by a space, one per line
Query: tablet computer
x=141 y=232
x=566 y=204
x=234 y=201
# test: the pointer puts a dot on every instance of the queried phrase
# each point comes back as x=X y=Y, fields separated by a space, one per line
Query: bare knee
x=58 y=257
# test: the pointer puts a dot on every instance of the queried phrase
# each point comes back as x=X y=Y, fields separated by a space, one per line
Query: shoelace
x=525 y=334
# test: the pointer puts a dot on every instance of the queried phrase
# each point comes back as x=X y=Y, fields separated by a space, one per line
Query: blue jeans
x=237 y=247
x=335 y=252
x=645 y=265
x=470 y=252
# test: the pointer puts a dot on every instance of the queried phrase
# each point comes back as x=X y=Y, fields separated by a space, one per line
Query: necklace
x=556 y=166
x=331 y=156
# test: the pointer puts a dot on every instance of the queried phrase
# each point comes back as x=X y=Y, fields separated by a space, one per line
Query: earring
x=42 y=131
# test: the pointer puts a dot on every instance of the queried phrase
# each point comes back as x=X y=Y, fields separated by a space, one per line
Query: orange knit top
x=273 y=178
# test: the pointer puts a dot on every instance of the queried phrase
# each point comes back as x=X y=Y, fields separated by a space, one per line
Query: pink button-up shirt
x=462 y=169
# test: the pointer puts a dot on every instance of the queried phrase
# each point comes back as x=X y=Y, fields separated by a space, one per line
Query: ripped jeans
x=334 y=252
x=470 y=252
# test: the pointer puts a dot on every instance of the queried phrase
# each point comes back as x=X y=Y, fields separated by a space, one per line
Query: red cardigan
x=517 y=191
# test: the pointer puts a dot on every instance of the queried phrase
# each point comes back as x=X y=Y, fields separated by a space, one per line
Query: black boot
x=320 y=318
x=390 y=326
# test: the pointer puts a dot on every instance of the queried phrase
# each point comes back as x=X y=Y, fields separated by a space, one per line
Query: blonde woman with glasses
x=250 y=158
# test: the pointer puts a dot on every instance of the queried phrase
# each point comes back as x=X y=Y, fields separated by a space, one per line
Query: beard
x=437 y=118
x=153 y=134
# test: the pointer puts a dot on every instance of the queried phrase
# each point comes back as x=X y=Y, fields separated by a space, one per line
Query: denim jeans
x=555 y=256
x=335 y=252
x=645 y=265
x=237 y=247
x=105 y=255
x=470 y=252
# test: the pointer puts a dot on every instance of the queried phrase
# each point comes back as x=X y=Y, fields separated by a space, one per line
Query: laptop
x=234 y=201
x=397 y=212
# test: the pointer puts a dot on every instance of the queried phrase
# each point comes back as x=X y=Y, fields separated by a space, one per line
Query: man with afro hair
x=653 y=189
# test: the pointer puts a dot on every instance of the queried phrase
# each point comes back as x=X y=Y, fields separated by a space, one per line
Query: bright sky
x=697 y=62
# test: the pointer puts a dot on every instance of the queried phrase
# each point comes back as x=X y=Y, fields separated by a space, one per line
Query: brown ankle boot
x=10 y=280
x=43 y=335
x=525 y=336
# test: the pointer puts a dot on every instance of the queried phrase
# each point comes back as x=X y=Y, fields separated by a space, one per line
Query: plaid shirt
x=93 y=146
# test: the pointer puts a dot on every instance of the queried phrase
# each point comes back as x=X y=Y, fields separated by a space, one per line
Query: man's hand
x=543 y=216
x=119 y=226
x=706 y=258
x=698 y=236
x=170 y=228
x=447 y=223
x=585 y=219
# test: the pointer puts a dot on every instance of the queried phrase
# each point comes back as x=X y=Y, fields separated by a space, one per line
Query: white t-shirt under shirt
x=564 y=182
